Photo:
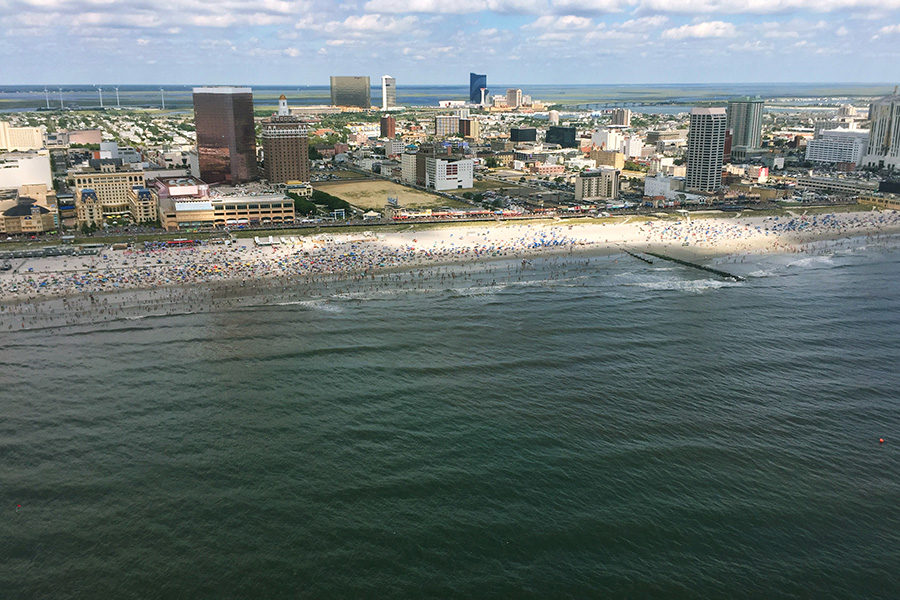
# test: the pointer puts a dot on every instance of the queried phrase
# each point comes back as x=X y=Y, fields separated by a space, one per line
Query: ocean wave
x=813 y=261
x=696 y=286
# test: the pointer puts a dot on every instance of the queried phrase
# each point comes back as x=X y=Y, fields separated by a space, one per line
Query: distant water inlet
x=566 y=427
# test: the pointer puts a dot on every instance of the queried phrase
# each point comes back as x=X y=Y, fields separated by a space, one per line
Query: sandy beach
x=317 y=259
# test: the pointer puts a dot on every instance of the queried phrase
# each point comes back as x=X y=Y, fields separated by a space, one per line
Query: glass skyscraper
x=476 y=82
x=226 y=137
x=351 y=91
x=745 y=122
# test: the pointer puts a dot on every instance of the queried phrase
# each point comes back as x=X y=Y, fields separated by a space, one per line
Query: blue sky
x=302 y=42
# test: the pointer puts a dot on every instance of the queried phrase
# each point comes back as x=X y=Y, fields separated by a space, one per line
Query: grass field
x=373 y=194
x=484 y=185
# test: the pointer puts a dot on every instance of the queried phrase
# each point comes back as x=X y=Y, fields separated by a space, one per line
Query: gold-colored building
x=112 y=186
x=143 y=204
x=608 y=158
x=88 y=208
x=27 y=210
x=20 y=139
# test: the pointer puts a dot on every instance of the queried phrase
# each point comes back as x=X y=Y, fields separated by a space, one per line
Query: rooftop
x=224 y=89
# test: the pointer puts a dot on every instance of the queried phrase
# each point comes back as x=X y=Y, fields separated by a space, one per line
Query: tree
x=302 y=205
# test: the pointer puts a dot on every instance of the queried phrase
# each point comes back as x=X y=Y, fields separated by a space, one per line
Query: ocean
x=568 y=427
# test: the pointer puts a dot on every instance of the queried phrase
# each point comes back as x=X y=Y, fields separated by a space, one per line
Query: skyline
x=528 y=42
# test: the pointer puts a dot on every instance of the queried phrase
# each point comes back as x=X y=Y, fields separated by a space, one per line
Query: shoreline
x=327 y=258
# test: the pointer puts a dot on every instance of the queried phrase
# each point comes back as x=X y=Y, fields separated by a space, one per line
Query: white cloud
x=709 y=29
x=761 y=7
x=566 y=22
x=644 y=23
x=889 y=30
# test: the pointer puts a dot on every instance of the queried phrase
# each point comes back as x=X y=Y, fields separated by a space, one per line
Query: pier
x=720 y=273
x=637 y=256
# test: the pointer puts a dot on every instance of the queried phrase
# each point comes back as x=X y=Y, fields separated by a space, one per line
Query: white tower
x=283 y=109
x=388 y=92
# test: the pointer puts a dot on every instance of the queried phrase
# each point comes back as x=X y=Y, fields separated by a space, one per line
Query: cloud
x=565 y=22
x=890 y=29
x=761 y=7
x=709 y=29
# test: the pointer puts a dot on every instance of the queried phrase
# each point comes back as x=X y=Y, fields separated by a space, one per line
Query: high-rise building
x=706 y=147
x=448 y=173
x=351 y=91
x=285 y=145
x=553 y=117
x=388 y=126
x=607 y=138
x=597 y=185
x=522 y=134
x=514 y=97
x=884 y=134
x=745 y=122
x=564 y=136
x=110 y=185
x=446 y=126
x=226 y=136
x=621 y=116
x=283 y=110
x=632 y=146
x=388 y=92
x=476 y=84
x=838 y=146
x=469 y=128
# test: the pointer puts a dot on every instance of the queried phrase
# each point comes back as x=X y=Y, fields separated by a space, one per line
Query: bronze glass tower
x=226 y=137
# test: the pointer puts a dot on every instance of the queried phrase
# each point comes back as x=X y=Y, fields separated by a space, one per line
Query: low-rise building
x=21 y=213
x=24 y=168
x=20 y=139
x=225 y=211
x=837 y=186
x=543 y=169
x=663 y=186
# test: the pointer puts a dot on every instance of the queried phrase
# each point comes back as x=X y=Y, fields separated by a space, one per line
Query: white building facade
x=441 y=174
x=706 y=149
x=884 y=136
x=25 y=168
x=838 y=146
